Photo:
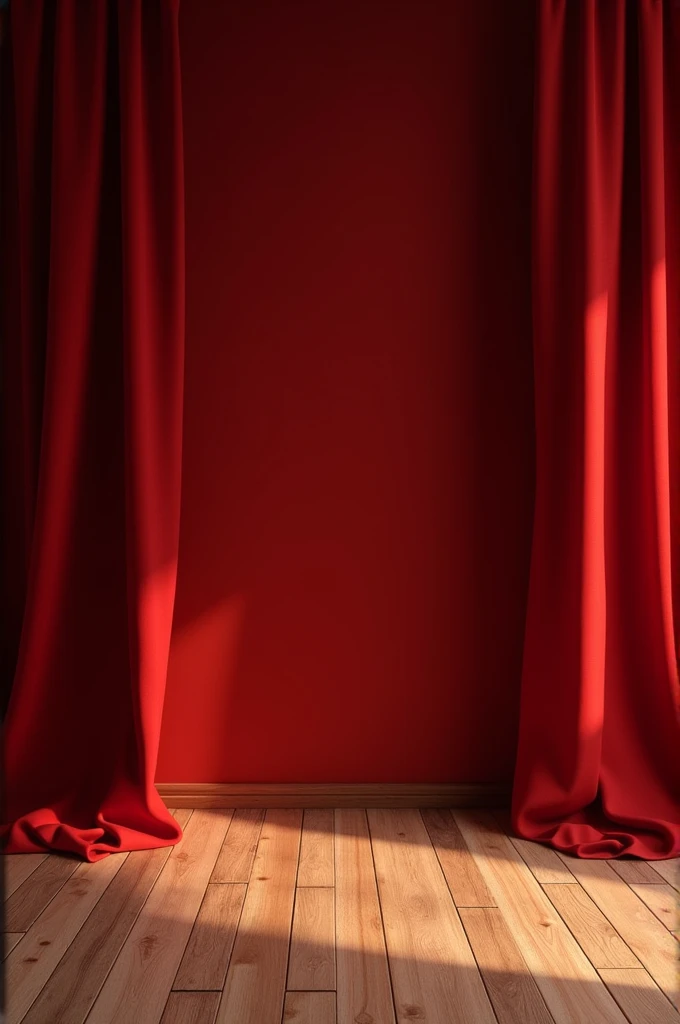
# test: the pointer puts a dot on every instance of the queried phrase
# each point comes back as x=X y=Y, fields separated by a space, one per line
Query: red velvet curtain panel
x=598 y=768
x=93 y=335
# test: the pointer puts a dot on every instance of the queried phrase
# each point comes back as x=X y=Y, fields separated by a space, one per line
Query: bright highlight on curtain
x=93 y=326
x=598 y=767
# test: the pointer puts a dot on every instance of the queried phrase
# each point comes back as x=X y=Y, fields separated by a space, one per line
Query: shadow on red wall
x=358 y=471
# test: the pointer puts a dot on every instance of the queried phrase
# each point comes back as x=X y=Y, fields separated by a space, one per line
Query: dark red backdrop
x=358 y=478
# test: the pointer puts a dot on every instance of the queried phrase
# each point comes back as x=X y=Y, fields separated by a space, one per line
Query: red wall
x=358 y=439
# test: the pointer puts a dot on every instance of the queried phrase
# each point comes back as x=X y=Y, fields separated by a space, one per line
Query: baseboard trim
x=329 y=794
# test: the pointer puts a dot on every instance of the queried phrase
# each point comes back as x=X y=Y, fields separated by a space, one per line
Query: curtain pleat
x=101 y=245
x=598 y=771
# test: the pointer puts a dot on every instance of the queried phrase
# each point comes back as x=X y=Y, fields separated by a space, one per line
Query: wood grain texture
x=662 y=900
x=17 y=868
x=256 y=979
x=569 y=984
x=206 y=958
x=636 y=924
x=464 y=879
x=635 y=871
x=72 y=989
x=433 y=970
x=141 y=978
x=10 y=940
x=513 y=991
x=190 y=1008
x=668 y=869
x=639 y=998
x=364 y=993
x=29 y=966
x=338 y=794
x=235 y=861
x=317 y=865
x=543 y=862
x=593 y=932
x=312 y=948
x=309 y=1008
x=29 y=900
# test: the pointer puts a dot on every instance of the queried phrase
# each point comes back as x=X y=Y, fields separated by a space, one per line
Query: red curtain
x=93 y=334
x=598 y=768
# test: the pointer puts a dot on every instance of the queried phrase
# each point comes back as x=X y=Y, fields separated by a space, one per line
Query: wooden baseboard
x=329 y=794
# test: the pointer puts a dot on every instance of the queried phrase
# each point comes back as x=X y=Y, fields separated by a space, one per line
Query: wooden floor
x=347 y=916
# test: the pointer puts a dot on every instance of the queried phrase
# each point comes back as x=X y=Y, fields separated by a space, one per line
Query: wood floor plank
x=464 y=879
x=18 y=867
x=256 y=980
x=668 y=869
x=434 y=974
x=190 y=1008
x=10 y=940
x=593 y=932
x=235 y=861
x=662 y=900
x=109 y=950
x=514 y=994
x=636 y=924
x=206 y=958
x=29 y=966
x=317 y=866
x=639 y=998
x=140 y=980
x=29 y=900
x=309 y=1008
x=543 y=862
x=364 y=992
x=312 y=948
x=72 y=989
x=181 y=814
x=569 y=984
x=635 y=871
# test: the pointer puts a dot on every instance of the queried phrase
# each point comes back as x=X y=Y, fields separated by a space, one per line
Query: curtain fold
x=93 y=331
x=598 y=765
